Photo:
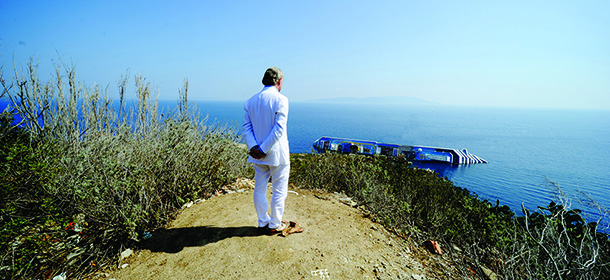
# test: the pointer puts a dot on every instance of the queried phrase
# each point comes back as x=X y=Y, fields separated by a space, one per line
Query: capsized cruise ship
x=414 y=153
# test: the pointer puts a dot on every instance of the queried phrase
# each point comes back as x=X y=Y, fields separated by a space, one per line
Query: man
x=265 y=132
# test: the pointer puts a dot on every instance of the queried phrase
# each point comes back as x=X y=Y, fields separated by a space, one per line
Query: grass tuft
x=80 y=179
x=554 y=243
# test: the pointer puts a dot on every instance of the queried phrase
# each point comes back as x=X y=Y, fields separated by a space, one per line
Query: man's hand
x=256 y=152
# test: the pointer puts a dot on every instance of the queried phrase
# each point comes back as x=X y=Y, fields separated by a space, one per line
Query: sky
x=549 y=54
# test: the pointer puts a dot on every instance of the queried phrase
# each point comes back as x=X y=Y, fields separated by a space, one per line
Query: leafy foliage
x=401 y=196
x=556 y=243
x=80 y=181
x=28 y=216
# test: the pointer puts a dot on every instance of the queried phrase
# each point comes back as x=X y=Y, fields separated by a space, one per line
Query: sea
x=531 y=153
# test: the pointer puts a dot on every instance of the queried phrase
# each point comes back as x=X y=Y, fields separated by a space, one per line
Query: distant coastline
x=407 y=100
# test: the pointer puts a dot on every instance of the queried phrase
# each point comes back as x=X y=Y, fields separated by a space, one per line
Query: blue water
x=524 y=147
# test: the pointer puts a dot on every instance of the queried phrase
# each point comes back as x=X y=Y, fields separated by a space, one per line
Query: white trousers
x=279 y=176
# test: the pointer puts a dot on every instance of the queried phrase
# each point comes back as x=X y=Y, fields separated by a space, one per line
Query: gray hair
x=272 y=76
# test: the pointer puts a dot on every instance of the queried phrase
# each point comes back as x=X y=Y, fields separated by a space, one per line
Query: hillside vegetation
x=82 y=178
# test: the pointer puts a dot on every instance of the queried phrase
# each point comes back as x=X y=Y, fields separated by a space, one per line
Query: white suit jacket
x=265 y=125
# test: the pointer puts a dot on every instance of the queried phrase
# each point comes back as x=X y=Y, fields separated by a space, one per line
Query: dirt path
x=218 y=239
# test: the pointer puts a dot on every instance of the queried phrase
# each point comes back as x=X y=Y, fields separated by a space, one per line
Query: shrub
x=87 y=180
x=556 y=243
x=401 y=196
x=28 y=216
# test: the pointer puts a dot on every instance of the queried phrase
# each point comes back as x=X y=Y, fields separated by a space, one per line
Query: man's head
x=274 y=77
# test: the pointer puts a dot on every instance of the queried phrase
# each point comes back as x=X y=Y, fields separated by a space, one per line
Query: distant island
x=376 y=100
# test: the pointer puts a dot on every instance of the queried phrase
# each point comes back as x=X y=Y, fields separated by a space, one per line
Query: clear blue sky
x=483 y=53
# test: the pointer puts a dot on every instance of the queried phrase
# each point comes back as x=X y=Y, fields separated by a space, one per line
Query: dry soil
x=218 y=239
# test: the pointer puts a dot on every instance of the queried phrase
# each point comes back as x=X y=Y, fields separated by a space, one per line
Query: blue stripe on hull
x=411 y=153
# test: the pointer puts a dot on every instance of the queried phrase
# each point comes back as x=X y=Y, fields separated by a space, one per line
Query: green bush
x=556 y=243
x=28 y=216
x=81 y=181
x=134 y=184
x=405 y=198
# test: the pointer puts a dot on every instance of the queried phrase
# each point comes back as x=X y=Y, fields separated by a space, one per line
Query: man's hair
x=272 y=76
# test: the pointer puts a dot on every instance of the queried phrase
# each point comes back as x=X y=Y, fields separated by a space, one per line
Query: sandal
x=282 y=227
x=293 y=227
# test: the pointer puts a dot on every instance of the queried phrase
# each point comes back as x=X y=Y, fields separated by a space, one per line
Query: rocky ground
x=218 y=239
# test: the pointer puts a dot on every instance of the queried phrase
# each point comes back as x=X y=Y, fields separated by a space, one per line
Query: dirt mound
x=218 y=239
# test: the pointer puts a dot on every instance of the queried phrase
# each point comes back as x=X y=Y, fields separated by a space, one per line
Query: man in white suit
x=265 y=132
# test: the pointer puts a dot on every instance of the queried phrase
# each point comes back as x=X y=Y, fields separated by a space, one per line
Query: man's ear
x=279 y=83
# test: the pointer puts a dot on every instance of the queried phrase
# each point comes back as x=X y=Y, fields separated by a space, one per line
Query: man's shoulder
x=255 y=97
x=272 y=92
x=269 y=93
x=284 y=98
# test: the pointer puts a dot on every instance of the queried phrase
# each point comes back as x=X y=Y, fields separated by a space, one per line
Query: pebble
x=126 y=253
